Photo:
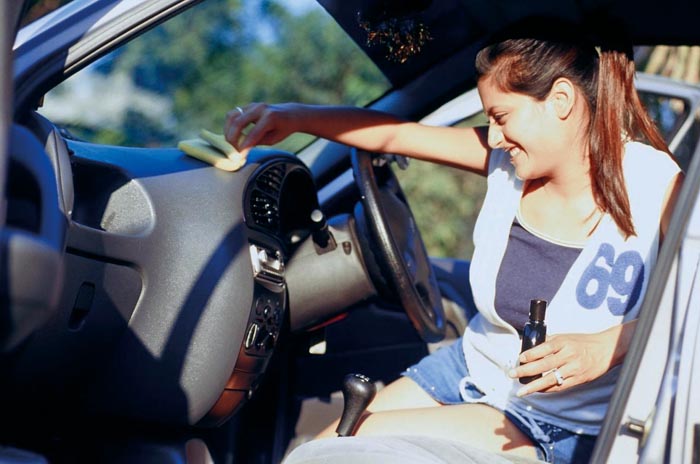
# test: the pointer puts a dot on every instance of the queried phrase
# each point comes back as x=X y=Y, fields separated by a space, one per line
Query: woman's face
x=526 y=128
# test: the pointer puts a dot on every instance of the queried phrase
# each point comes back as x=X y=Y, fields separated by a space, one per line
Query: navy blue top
x=533 y=267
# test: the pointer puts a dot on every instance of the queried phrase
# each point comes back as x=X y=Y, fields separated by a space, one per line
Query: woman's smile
x=514 y=152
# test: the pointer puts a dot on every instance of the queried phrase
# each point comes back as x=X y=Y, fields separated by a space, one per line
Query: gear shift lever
x=358 y=392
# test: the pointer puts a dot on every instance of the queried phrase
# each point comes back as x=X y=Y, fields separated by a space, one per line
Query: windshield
x=166 y=85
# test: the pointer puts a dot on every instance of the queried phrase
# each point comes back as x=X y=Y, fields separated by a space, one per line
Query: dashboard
x=174 y=292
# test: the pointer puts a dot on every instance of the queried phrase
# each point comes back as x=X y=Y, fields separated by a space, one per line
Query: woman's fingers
x=546 y=381
x=539 y=366
x=551 y=382
x=266 y=124
x=263 y=132
x=548 y=348
x=538 y=360
x=563 y=361
x=238 y=119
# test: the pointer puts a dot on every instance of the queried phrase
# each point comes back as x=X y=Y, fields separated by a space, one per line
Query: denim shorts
x=440 y=374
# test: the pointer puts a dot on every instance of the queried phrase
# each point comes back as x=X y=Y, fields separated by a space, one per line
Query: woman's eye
x=499 y=118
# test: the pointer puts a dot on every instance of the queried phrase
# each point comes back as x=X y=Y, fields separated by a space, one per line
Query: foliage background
x=224 y=53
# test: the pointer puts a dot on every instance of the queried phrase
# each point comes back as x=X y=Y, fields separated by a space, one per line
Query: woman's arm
x=370 y=130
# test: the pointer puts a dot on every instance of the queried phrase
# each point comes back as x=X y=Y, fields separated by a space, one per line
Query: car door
x=654 y=414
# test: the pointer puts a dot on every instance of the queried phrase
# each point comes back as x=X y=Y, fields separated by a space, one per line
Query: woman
x=574 y=214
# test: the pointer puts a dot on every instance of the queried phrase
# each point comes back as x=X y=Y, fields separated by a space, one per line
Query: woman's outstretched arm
x=370 y=130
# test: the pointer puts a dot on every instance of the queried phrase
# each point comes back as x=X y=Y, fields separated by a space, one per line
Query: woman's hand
x=271 y=124
x=577 y=358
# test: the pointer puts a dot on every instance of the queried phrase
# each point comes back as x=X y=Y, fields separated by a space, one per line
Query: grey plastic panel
x=316 y=277
x=107 y=200
x=158 y=298
x=57 y=363
x=186 y=330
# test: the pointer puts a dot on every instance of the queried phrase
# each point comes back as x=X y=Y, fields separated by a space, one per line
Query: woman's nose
x=495 y=136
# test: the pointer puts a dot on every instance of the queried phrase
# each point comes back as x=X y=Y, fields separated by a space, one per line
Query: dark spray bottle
x=534 y=332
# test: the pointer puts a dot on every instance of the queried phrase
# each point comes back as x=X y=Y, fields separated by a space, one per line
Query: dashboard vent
x=264 y=200
x=270 y=180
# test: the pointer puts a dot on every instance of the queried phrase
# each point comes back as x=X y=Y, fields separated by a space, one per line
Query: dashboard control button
x=252 y=335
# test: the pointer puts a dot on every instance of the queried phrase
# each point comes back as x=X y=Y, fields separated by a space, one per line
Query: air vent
x=264 y=200
x=264 y=209
x=270 y=180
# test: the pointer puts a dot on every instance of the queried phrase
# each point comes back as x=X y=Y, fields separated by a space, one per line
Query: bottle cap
x=537 y=310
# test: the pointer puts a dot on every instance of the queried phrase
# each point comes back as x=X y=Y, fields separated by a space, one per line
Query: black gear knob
x=358 y=392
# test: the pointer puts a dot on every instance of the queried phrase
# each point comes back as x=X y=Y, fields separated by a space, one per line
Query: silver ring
x=558 y=376
x=240 y=110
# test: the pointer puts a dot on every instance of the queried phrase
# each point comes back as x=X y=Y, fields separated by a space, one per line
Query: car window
x=686 y=148
x=166 y=85
x=668 y=112
x=445 y=201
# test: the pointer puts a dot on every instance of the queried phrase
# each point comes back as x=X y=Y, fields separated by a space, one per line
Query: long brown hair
x=606 y=78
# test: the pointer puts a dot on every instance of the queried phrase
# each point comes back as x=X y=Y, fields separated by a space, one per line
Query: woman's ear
x=562 y=97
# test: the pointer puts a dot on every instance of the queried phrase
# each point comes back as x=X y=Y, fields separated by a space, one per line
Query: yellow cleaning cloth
x=213 y=149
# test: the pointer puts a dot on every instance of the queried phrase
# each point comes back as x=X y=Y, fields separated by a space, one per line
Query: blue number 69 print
x=624 y=274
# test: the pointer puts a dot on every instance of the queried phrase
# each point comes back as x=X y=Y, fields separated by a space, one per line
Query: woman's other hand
x=567 y=360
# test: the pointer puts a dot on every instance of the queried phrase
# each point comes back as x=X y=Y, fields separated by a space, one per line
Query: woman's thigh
x=477 y=425
x=402 y=393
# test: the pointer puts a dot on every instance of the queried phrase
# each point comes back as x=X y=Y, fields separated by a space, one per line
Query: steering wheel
x=401 y=254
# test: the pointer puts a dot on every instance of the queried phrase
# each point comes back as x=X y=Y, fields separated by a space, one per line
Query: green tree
x=237 y=52
x=445 y=203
